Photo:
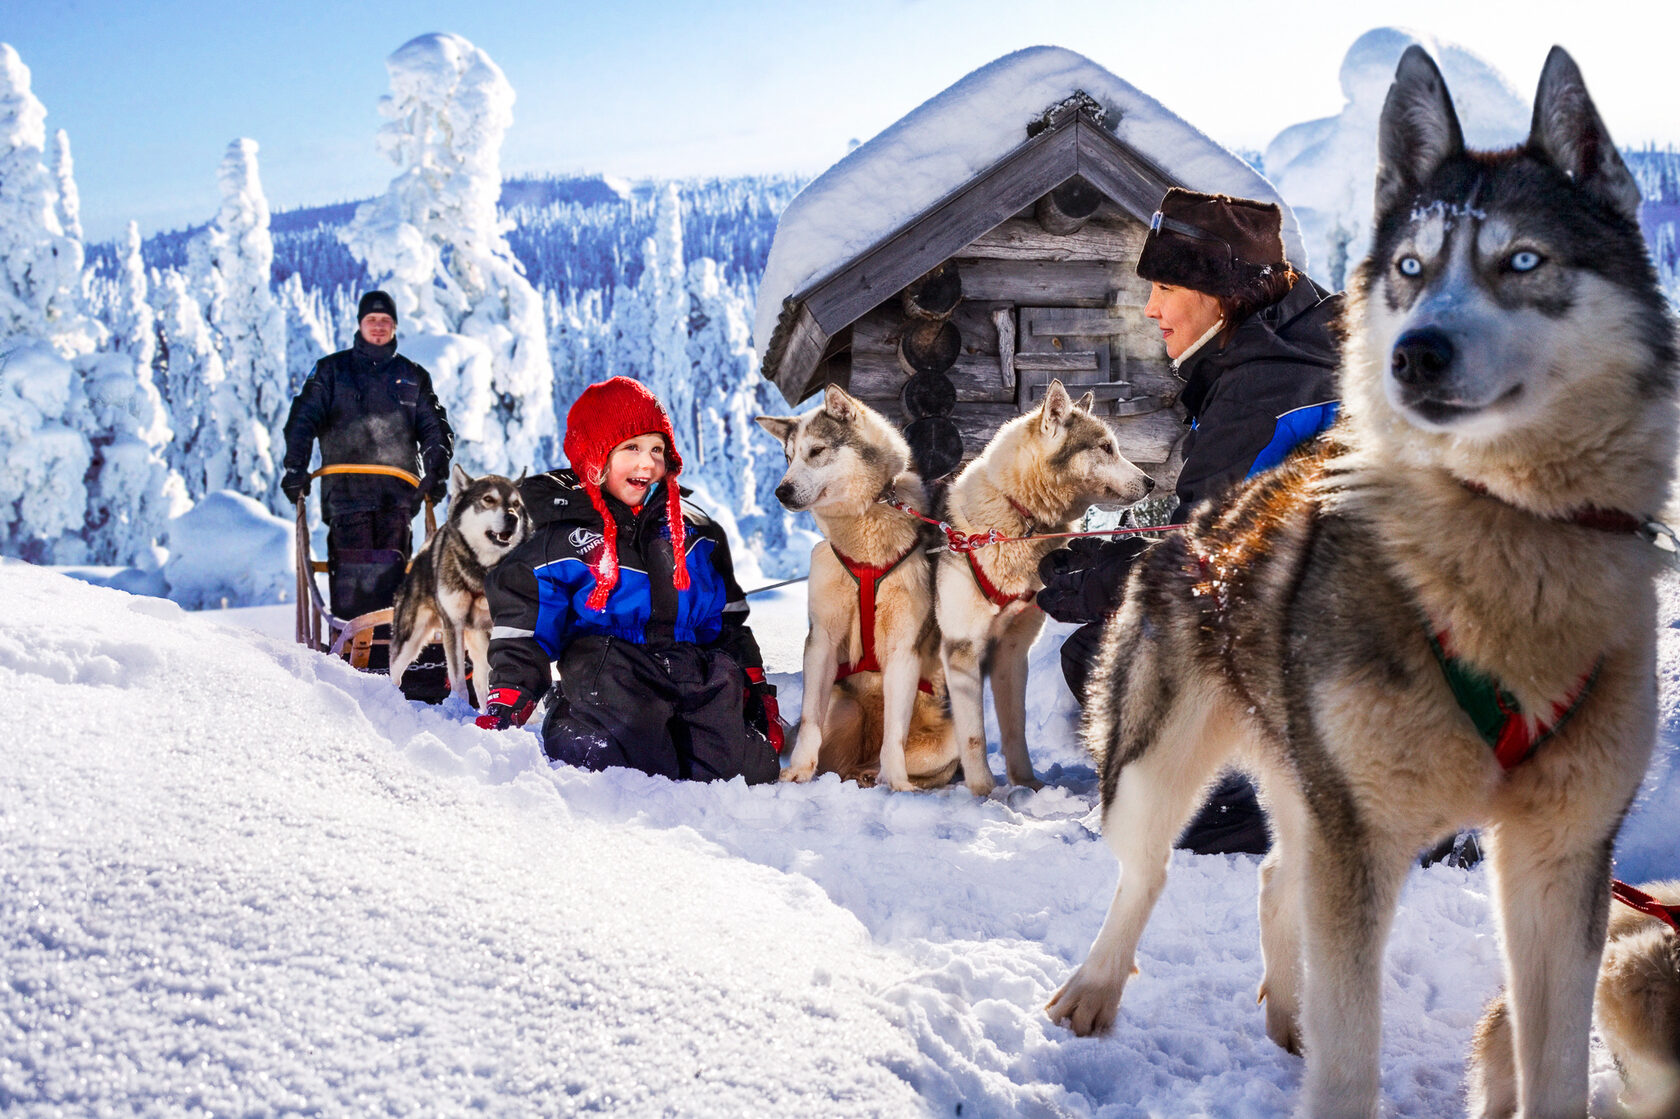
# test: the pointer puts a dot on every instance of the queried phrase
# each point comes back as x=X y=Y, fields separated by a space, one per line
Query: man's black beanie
x=376 y=303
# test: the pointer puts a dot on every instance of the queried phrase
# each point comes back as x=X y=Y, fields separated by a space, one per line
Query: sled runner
x=317 y=627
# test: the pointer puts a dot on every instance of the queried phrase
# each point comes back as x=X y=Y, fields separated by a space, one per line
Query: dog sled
x=318 y=627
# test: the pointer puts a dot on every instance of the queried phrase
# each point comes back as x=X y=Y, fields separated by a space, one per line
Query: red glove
x=765 y=692
x=508 y=707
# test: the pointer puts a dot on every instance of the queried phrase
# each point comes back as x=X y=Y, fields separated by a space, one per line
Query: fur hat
x=1213 y=243
x=605 y=415
x=376 y=303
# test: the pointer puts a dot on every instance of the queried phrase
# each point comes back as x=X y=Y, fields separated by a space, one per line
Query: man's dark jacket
x=538 y=592
x=1269 y=389
x=369 y=404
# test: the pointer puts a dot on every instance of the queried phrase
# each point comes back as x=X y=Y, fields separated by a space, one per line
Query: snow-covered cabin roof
x=955 y=167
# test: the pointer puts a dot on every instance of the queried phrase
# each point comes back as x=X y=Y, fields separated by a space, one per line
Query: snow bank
x=949 y=139
x=1327 y=167
x=230 y=551
x=278 y=886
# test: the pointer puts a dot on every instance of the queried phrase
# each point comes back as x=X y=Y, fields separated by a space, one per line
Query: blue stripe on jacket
x=1294 y=428
x=563 y=612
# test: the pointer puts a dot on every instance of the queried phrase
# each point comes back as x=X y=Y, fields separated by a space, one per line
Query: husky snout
x=1422 y=358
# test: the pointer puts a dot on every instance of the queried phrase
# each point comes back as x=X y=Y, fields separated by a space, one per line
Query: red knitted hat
x=605 y=415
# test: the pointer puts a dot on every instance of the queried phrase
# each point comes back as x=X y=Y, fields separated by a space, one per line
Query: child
x=630 y=590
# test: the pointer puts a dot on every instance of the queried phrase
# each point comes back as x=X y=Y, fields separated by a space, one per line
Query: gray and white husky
x=1443 y=617
x=444 y=587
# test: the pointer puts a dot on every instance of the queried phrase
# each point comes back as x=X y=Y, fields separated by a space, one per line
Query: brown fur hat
x=1223 y=246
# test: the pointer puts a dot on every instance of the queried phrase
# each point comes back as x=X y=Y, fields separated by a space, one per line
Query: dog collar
x=1590 y=516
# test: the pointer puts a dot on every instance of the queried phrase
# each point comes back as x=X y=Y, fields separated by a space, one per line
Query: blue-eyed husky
x=1443 y=617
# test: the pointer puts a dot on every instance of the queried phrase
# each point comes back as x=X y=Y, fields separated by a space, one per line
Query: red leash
x=966 y=542
x=1645 y=903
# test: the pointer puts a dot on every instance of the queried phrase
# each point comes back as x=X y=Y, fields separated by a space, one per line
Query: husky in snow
x=1637 y=1009
x=444 y=587
x=871 y=603
x=1038 y=474
x=1442 y=617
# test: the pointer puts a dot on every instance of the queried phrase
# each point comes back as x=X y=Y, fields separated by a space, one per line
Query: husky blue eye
x=1410 y=266
x=1525 y=260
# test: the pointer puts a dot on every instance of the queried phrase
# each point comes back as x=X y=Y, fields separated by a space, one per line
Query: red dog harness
x=868 y=579
x=1645 y=903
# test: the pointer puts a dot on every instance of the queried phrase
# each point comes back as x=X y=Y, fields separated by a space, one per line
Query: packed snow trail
x=241 y=878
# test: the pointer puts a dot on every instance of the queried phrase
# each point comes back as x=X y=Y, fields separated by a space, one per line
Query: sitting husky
x=1444 y=617
x=871 y=603
x=444 y=587
x=1038 y=474
x=1638 y=1012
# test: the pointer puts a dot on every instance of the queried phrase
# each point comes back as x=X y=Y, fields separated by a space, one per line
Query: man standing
x=368 y=405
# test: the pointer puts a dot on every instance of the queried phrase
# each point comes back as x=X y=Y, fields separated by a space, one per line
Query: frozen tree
x=195 y=387
x=578 y=342
x=650 y=323
x=132 y=492
x=64 y=175
x=435 y=241
x=307 y=337
x=231 y=263
x=40 y=264
x=43 y=329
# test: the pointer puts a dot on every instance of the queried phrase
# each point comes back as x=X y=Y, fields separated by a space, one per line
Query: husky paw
x=1086 y=1005
x=1282 y=1024
x=980 y=782
x=1029 y=781
x=800 y=773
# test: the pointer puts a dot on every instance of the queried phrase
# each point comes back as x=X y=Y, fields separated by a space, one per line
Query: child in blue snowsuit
x=629 y=589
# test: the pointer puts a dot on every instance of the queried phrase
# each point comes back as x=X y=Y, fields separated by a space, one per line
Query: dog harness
x=1495 y=712
x=868 y=579
x=987 y=587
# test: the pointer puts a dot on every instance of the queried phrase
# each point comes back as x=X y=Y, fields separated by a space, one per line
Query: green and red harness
x=1495 y=712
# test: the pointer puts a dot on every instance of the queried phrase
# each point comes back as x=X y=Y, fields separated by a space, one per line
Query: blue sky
x=151 y=93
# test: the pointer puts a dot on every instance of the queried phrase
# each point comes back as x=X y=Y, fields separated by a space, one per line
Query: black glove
x=508 y=707
x=1085 y=584
x=294 y=484
x=436 y=488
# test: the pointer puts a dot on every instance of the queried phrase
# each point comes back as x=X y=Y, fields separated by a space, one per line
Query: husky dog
x=1638 y=1012
x=1443 y=618
x=1038 y=474
x=444 y=587
x=872 y=565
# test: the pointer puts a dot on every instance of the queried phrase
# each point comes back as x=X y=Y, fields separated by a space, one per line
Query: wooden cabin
x=956 y=320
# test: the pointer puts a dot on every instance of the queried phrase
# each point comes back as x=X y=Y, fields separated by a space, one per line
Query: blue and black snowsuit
x=656 y=680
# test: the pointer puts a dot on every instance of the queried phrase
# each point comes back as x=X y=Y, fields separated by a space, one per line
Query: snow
x=229 y=550
x=943 y=143
x=246 y=879
x=1327 y=167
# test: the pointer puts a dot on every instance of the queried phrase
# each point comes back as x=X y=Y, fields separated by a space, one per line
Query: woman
x=1252 y=339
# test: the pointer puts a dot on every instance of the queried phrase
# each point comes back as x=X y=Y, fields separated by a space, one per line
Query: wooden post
x=1069 y=206
x=931 y=346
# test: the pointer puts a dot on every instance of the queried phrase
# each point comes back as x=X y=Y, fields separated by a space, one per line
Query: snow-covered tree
x=231 y=263
x=64 y=176
x=195 y=388
x=650 y=322
x=43 y=329
x=435 y=241
x=307 y=338
x=132 y=492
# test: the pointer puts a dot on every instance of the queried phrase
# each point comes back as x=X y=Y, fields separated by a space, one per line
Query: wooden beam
x=1065 y=283
x=1121 y=171
x=879 y=273
x=800 y=355
x=1019 y=239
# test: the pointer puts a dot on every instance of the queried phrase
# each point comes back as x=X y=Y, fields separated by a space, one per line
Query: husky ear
x=782 y=427
x=1418 y=131
x=1056 y=408
x=459 y=479
x=1086 y=402
x=1568 y=130
x=524 y=470
x=839 y=404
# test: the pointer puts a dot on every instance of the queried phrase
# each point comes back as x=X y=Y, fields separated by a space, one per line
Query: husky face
x=1500 y=285
x=487 y=513
x=841 y=457
x=1080 y=455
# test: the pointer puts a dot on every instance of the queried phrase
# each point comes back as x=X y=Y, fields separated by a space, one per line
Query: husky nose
x=784 y=494
x=1421 y=357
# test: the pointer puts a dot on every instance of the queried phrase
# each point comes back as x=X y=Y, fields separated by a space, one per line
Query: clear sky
x=152 y=92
